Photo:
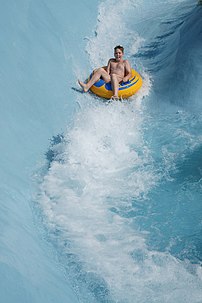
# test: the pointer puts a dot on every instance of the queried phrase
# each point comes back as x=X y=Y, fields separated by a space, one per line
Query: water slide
x=100 y=202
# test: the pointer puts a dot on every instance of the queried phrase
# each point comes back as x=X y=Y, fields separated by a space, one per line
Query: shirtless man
x=118 y=70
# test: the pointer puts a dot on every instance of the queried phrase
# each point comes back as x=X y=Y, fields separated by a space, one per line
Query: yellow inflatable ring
x=126 y=89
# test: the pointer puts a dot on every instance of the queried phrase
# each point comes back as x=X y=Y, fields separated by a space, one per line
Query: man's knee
x=101 y=69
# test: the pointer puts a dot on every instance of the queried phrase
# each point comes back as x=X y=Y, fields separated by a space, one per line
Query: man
x=118 y=70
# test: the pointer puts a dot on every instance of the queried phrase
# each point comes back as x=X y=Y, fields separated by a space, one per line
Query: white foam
x=103 y=165
x=111 y=30
x=103 y=159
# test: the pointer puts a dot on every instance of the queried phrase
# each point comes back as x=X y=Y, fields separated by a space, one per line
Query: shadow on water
x=53 y=152
x=77 y=90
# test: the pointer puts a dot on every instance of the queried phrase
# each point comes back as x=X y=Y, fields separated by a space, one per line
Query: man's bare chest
x=117 y=66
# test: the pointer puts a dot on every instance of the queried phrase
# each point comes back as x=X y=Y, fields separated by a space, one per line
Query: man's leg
x=115 y=80
x=100 y=72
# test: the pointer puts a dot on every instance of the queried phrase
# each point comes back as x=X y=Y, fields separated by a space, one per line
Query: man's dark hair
x=119 y=47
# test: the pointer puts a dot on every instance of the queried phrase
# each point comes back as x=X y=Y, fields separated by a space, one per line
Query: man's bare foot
x=115 y=97
x=83 y=85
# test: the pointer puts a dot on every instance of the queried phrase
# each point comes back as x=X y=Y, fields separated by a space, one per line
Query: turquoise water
x=101 y=202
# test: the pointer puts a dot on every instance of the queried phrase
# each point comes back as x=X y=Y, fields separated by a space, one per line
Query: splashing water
x=114 y=176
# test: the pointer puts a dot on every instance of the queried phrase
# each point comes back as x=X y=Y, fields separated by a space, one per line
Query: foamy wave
x=101 y=167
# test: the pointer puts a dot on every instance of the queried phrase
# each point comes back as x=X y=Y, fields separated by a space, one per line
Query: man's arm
x=128 y=73
x=108 y=66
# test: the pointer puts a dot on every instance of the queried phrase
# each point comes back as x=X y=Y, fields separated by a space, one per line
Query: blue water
x=100 y=202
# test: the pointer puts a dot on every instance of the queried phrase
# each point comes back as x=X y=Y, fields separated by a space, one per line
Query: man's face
x=118 y=54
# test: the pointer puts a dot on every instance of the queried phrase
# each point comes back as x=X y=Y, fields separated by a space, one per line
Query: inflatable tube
x=126 y=89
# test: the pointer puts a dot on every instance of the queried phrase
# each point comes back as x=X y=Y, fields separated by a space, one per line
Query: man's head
x=119 y=47
x=118 y=53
